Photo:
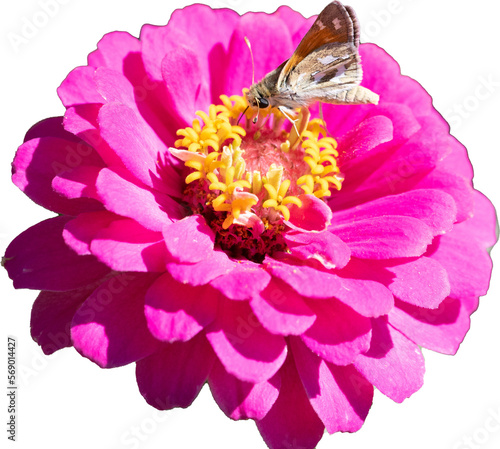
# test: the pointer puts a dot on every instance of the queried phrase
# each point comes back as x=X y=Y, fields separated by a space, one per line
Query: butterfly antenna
x=251 y=56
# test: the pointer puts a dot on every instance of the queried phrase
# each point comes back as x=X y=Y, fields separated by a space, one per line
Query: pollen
x=244 y=179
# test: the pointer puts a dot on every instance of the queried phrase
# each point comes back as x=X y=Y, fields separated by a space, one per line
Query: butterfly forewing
x=334 y=24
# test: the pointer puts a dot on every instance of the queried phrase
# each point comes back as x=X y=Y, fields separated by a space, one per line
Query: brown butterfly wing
x=336 y=23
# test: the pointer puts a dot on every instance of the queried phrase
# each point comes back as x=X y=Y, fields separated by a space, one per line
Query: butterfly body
x=325 y=67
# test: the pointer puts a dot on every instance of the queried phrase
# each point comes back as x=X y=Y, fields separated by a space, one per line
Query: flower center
x=245 y=179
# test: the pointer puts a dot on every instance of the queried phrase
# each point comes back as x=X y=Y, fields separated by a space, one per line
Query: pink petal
x=482 y=225
x=39 y=259
x=360 y=141
x=324 y=247
x=455 y=251
x=422 y=282
x=81 y=120
x=305 y=280
x=246 y=281
x=244 y=347
x=456 y=186
x=266 y=33
x=216 y=264
x=50 y=127
x=38 y=161
x=441 y=329
x=110 y=328
x=340 y=395
x=242 y=400
x=79 y=232
x=385 y=237
x=114 y=49
x=176 y=311
x=79 y=88
x=366 y=297
x=150 y=208
x=190 y=92
x=314 y=215
x=189 y=240
x=339 y=334
x=393 y=364
x=291 y=422
x=136 y=145
x=175 y=373
x=79 y=183
x=435 y=208
x=281 y=310
x=51 y=317
x=126 y=246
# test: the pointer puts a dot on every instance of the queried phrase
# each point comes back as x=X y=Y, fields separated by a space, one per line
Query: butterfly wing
x=336 y=23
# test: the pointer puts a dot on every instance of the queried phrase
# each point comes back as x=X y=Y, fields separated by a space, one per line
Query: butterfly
x=325 y=67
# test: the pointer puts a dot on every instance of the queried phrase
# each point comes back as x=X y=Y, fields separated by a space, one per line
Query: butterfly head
x=256 y=98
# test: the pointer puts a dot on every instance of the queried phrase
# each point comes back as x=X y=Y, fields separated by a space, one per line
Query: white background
x=67 y=401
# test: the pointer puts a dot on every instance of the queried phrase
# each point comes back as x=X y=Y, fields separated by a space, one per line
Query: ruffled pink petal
x=393 y=364
x=81 y=120
x=176 y=311
x=79 y=88
x=433 y=207
x=113 y=51
x=189 y=93
x=38 y=161
x=340 y=395
x=456 y=186
x=281 y=310
x=291 y=422
x=136 y=145
x=242 y=400
x=50 y=127
x=133 y=89
x=441 y=329
x=305 y=280
x=266 y=33
x=365 y=296
x=79 y=183
x=216 y=264
x=482 y=225
x=209 y=41
x=127 y=246
x=314 y=215
x=466 y=262
x=175 y=373
x=422 y=282
x=244 y=347
x=150 y=208
x=339 y=334
x=385 y=237
x=79 y=232
x=189 y=240
x=295 y=22
x=402 y=89
x=51 y=317
x=39 y=259
x=246 y=281
x=395 y=171
x=324 y=247
x=110 y=328
x=360 y=141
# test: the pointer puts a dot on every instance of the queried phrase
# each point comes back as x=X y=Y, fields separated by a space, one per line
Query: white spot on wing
x=327 y=59
x=320 y=24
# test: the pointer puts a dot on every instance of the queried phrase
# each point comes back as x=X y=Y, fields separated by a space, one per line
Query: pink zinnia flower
x=293 y=275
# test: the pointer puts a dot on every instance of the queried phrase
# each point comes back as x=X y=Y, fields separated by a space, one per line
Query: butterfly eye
x=262 y=103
